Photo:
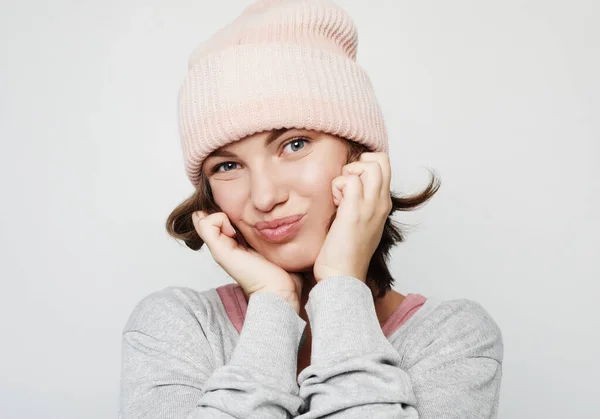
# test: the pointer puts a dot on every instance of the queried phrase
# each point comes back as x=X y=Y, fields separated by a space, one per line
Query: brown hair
x=180 y=226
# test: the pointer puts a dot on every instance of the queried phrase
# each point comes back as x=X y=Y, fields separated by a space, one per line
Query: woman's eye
x=226 y=165
x=297 y=144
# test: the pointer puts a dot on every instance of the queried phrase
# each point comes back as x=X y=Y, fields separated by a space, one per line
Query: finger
x=370 y=176
x=204 y=227
x=348 y=188
x=337 y=185
x=383 y=159
x=210 y=227
x=225 y=224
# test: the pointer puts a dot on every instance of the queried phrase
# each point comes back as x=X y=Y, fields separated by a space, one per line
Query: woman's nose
x=267 y=191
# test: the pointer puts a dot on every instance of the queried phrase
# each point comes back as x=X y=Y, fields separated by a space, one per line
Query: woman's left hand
x=362 y=195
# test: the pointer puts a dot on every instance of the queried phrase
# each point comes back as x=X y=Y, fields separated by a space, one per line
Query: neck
x=307 y=284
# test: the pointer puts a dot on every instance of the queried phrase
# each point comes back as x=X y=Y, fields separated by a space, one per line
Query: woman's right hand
x=252 y=271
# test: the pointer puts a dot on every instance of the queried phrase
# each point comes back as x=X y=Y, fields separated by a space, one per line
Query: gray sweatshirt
x=182 y=357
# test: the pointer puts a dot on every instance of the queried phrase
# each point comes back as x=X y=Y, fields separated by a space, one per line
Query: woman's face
x=264 y=177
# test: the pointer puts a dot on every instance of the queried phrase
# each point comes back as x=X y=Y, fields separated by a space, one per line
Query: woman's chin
x=292 y=262
x=295 y=256
x=295 y=265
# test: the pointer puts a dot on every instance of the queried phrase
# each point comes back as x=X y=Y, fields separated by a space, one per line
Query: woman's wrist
x=290 y=296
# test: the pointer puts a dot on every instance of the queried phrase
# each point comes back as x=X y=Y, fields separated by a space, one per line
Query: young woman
x=286 y=147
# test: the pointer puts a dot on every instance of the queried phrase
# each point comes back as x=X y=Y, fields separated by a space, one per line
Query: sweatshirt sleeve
x=356 y=372
x=168 y=370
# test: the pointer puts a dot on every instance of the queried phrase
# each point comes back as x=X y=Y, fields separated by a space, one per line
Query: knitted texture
x=280 y=64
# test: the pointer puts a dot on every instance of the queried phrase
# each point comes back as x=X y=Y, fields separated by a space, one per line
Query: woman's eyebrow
x=274 y=135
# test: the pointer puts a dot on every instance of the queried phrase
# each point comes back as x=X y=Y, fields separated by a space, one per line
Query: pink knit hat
x=280 y=64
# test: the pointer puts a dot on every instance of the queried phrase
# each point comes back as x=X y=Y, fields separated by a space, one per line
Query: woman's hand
x=362 y=195
x=247 y=267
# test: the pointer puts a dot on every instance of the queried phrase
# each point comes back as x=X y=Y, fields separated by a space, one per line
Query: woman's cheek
x=316 y=177
x=228 y=199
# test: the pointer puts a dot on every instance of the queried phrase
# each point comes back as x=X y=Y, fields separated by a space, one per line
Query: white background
x=501 y=99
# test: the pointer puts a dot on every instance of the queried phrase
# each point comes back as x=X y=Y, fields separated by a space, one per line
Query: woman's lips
x=283 y=232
